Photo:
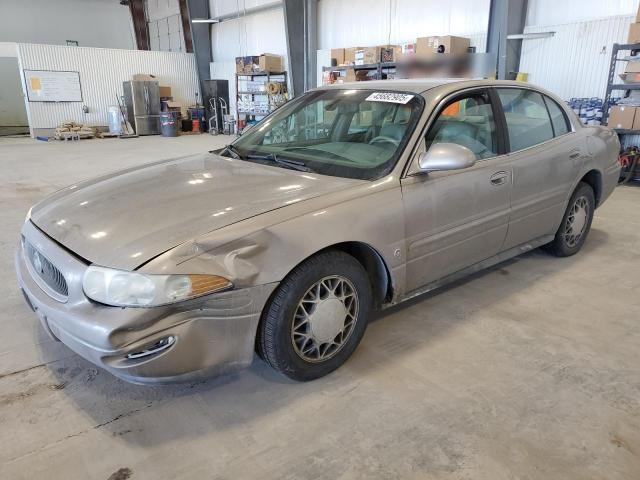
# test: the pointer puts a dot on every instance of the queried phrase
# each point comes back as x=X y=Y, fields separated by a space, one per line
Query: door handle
x=499 y=178
x=575 y=154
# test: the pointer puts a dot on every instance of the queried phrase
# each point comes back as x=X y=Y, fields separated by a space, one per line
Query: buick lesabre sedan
x=349 y=198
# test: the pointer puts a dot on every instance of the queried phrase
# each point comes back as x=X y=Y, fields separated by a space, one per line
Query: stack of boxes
x=626 y=115
x=267 y=62
x=422 y=48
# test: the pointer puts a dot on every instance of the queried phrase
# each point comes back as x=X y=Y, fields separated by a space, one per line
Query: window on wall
x=467 y=121
x=528 y=121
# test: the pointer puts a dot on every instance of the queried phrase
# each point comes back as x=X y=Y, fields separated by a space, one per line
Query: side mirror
x=446 y=156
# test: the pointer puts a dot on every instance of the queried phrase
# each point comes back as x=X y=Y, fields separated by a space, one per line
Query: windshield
x=346 y=133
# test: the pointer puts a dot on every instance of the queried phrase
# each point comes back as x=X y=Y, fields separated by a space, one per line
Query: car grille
x=46 y=270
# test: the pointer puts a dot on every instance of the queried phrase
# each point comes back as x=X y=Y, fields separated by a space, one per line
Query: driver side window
x=467 y=121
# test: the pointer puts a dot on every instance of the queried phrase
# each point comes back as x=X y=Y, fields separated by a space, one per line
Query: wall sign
x=53 y=86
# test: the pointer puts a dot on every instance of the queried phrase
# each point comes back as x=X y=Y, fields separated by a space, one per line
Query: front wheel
x=316 y=317
x=576 y=223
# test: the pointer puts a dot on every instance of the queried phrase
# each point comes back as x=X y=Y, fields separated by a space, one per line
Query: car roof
x=421 y=85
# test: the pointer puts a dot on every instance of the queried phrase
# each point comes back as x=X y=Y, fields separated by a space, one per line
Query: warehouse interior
x=526 y=369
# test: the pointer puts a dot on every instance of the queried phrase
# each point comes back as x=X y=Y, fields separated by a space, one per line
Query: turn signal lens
x=132 y=289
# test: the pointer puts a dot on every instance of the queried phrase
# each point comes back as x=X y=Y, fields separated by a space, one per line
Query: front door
x=457 y=218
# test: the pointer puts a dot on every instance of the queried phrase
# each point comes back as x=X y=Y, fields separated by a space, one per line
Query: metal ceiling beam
x=506 y=19
x=301 y=20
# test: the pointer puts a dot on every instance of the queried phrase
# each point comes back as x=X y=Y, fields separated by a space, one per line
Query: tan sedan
x=348 y=198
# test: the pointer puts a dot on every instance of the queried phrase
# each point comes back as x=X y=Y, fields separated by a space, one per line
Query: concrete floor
x=530 y=371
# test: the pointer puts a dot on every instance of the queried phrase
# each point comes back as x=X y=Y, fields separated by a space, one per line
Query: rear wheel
x=316 y=317
x=576 y=223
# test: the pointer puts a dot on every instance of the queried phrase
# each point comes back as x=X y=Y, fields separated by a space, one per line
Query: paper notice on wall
x=390 y=97
x=35 y=83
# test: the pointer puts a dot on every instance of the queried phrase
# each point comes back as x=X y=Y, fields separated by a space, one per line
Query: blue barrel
x=169 y=124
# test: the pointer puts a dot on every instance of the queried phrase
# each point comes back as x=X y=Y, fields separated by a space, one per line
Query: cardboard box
x=337 y=55
x=390 y=53
x=408 y=48
x=165 y=91
x=269 y=62
x=368 y=55
x=630 y=77
x=239 y=64
x=143 y=77
x=426 y=46
x=636 y=121
x=634 y=33
x=633 y=67
x=350 y=55
x=349 y=75
x=622 y=116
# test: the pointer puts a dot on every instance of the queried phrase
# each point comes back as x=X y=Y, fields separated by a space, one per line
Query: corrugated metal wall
x=102 y=72
x=364 y=22
x=575 y=61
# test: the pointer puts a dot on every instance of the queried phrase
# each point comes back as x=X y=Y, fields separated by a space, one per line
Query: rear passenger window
x=558 y=118
x=527 y=118
x=469 y=122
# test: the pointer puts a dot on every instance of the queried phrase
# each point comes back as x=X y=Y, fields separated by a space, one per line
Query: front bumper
x=212 y=335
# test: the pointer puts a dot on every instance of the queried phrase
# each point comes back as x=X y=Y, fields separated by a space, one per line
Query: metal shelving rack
x=613 y=86
x=378 y=67
x=240 y=77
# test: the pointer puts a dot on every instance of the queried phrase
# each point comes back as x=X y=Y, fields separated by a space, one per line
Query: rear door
x=545 y=156
x=460 y=217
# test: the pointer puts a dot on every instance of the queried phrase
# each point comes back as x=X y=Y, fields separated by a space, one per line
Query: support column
x=201 y=36
x=300 y=18
x=506 y=17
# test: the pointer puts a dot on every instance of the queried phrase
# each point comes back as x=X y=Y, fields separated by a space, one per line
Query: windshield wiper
x=284 y=162
x=233 y=150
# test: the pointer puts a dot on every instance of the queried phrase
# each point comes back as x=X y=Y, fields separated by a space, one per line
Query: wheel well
x=374 y=265
x=593 y=178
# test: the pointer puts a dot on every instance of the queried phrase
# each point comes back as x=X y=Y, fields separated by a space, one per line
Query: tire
x=566 y=241
x=303 y=314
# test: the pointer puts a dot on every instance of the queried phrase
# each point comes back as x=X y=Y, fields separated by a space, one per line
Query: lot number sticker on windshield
x=389 y=97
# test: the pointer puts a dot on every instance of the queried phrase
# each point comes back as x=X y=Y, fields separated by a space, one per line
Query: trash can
x=168 y=124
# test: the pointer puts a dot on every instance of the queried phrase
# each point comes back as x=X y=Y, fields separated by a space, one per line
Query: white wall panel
x=553 y=12
x=254 y=34
x=102 y=72
x=374 y=22
x=223 y=7
x=575 y=61
x=159 y=9
x=93 y=23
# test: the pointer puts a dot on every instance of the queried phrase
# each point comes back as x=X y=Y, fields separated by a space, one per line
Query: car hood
x=124 y=219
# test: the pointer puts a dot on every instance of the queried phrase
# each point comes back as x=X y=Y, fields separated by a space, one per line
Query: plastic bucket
x=168 y=124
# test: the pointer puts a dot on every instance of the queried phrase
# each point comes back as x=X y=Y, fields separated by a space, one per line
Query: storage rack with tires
x=614 y=85
x=272 y=99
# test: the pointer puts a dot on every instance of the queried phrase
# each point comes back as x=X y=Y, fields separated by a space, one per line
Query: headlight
x=131 y=289
x=28 y=217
